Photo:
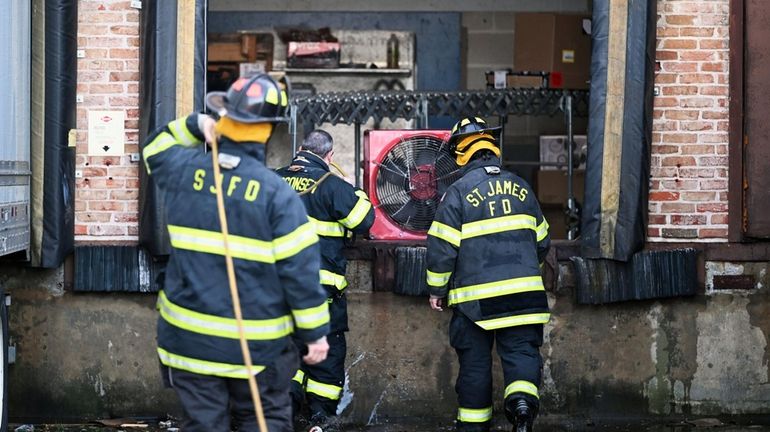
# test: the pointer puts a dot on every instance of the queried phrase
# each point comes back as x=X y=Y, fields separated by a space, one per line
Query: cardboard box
x=554 y=43
x=324 y=55
x=552 y=186
x=553 y=150
x=506 y=79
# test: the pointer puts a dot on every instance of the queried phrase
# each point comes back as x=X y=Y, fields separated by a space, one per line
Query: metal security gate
x=14 y=127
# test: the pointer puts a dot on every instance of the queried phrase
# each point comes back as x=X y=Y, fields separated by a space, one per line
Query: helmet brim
x=494 y=131
x=215 y=102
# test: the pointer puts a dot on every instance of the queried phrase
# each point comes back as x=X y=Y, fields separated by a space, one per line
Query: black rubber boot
x=520 y=414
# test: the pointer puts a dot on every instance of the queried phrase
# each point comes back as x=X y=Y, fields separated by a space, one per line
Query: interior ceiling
x=577 y=6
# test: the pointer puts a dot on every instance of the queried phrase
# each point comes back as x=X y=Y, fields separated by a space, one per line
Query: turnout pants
x=216 y=404
x=518 y=348
x=321 y=384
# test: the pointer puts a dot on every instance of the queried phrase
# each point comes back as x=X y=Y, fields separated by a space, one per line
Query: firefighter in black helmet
x=337 y=209
x=275 y=251
x=490 y=238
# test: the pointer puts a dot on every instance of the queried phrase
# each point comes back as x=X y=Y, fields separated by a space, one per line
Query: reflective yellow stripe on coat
x=495 y=289
x=327 y=391
x=205 y=367
x=521 y=387
x=359 y=211
x=212 y=325
x=336 y=280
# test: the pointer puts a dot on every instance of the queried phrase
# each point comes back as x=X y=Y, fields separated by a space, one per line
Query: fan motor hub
x=422 y=182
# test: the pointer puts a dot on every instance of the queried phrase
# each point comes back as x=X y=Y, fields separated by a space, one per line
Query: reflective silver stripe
x=445 y=232
x=498 y=225
x=199 y=240
x=325 y=390
x=294 y=242
x=336 y=280
x=516 y=320
x=542 y=230
x=328 y=229
x=473 y=415
x=212 y=325
x=521 y=387
x=438 y=279
x=311 y=318
x=495 y=289
x=205 y=367
x=359 y=211
x=181 y=133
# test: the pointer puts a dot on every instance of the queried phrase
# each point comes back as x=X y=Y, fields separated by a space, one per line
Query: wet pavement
x=550 y=425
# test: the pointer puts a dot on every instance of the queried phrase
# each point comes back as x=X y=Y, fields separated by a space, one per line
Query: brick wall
x=108 y=79
x=688 y=193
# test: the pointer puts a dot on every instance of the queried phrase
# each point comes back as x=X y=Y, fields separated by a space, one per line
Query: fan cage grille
x=411 y=180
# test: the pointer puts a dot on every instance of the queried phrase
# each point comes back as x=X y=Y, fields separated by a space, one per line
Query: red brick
x=666 y=55
x=81 y=229
x=678 y=184
x=679 y=90
x=128 y=30
x=105 y=88
x=124 y=76
x=653 y=232
x=679 y=66
x=713 y=67
x=718 y=138
x=667 y=32
x=713 y=185
x=697 y=149
x=666 y=102
x=107 y=230
x=699 y=196
x=680 y=114
x=124 y=53
x=669 y=207
x=696 y=102
x=665 y=149
x=664 y=126
x=86 y=194
x=683 y=138
x=664 y=196
x=712 y=208
x=712 y=161
x=663 y=172
x=124 y=194
x=657 y=220
x=680 y=19
x=696 y=78
x=106 y=205
x=697 y=31
x=715 y=115
x=678 y=161
x=713 y=44
x=688 y=220
x=719 y=219
x=666 y=78
x=696 y=126
x=91 y=217
x=714 y=90
x=712 y=233
x=126 y=217
x=695 y=55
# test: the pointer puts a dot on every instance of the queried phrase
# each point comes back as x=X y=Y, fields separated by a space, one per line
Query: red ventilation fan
x=406 y=172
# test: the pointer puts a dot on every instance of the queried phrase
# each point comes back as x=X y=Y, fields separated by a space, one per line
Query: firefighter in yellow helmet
x=276 y=259
x=490 y=238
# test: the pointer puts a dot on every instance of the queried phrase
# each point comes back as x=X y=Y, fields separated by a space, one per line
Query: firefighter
x=337 y=209
x=485 y=251
x=275 y=251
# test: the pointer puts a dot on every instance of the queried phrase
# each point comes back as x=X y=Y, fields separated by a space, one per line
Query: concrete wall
x=93 y=355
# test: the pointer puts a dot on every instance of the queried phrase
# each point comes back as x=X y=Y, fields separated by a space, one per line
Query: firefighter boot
x=320 y=422
x=520 y=414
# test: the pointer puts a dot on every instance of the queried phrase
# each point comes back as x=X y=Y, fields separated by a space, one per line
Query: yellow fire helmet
x=470 y=135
